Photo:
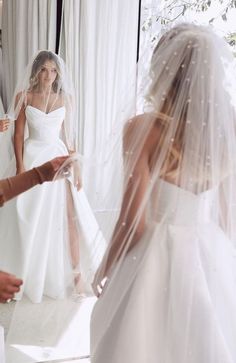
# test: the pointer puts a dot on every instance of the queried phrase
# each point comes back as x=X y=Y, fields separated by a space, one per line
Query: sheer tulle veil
x=35 y=89
x=188 y=118
x=61 y=91
x=48 y=320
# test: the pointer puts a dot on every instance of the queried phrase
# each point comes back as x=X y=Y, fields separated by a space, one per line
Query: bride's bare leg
x=74 y=241
x=73 y=233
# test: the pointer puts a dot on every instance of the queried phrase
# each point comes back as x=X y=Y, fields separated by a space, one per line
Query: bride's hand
x=98 y=288
x=77 y=177
x=71 y=152
x=20 y=169
x=76 y=173
x=4 y=124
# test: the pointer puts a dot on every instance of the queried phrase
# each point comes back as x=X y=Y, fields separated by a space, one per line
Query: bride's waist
x=48 y=137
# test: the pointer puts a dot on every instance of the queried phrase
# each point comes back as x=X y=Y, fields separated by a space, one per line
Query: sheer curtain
x=69 y=50
x=26 y=27
x=99 y=45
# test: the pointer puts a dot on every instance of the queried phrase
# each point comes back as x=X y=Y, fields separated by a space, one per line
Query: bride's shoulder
x=148 y=124
x=24 y=97
x=144 y=131
x=135 y=122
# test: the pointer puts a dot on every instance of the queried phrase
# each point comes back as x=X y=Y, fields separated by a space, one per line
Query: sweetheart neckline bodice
x=45 y=113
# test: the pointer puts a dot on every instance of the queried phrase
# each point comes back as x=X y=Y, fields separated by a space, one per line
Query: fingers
x=78 y=186
x=94 y=288
x=4 y=124
x=98 y=288
x=17 y=282
x=71 y=152
x=20 y=171
x=57 y=162
x=12 y=289
x=96 y=292
x=61 y=159
x=9 y=285
x=6 y=297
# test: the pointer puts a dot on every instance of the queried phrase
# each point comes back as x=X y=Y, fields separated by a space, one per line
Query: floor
x=55 y=332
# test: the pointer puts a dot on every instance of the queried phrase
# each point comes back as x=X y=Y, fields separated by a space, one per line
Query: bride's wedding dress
x=34 y=238
x=175 y=301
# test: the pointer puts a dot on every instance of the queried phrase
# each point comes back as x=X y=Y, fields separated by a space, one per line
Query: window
x=159 y=15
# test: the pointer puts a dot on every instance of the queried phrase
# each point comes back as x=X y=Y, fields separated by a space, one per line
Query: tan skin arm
x=19 y=139
x=70 y=151
x=70 y=148
x=132 y=201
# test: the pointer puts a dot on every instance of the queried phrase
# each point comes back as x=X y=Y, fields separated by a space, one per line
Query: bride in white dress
x=40 y=241
x=167 y=282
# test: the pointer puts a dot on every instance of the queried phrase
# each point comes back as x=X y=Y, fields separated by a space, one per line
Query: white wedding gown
x=33 y=240
x=175 y=300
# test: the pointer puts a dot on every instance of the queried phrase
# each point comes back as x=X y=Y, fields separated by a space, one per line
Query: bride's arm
x=64 y=138
x=68 y=103
x=19 y=141
x=130 y=225
x=132 y=219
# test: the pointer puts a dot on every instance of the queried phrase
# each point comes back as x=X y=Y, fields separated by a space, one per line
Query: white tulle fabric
x=178 y=303
x=60 y=93
x=169 y=294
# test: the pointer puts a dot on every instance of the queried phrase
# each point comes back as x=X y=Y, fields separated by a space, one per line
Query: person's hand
x=9 y=285
x=59 y=168
x=100 y=281
x=99 y=288
x=20 y=169
x=76 y=175
x=71 y=152
x=58 y=162
x=4 y=124
x=71 y=168
x=49 y=170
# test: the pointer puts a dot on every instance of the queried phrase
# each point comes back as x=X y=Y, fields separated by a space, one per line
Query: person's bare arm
x=127 y=227
x=130 y=226
x=19 y=141
x=69 y=106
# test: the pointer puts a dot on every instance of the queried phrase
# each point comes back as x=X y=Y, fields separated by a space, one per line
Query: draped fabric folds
x=99 y=45
x=26 y=27
x=98 y=42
